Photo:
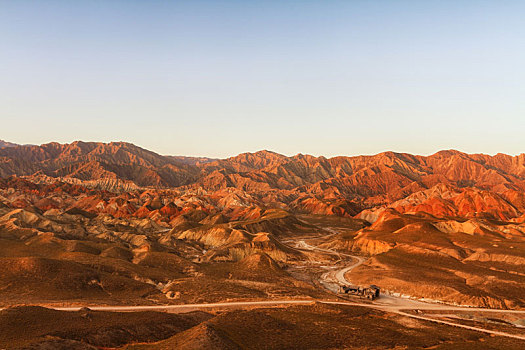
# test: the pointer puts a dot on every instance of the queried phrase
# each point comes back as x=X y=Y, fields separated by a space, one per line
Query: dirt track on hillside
x=385 y=303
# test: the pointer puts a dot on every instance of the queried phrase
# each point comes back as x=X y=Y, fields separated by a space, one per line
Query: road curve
x=340 y=274
x=397 y=305
x=385 y=303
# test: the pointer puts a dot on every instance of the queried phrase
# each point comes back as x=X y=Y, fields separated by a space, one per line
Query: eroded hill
x=93 y=223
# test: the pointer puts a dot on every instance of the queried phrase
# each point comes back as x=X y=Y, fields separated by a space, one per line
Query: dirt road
x=384 y=303
x=191 y=307
x=400 y=305
x=187 y=307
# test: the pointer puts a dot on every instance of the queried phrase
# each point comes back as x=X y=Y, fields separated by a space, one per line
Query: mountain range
x=7 y=144
x=115 y=224
x=447 y=183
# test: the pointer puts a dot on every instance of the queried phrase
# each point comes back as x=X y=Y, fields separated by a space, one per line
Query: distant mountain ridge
x=93 y=161
x=4 y=144
x=338 y=185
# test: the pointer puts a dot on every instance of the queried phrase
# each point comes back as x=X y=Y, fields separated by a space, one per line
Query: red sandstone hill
x=388 y=174
x=342 y=186
x=120 y=215
x=94 y=161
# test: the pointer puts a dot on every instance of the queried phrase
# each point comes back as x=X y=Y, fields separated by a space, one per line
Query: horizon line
x=266 y=150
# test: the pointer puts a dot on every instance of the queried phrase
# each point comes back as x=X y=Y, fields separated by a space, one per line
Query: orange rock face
x=445 y=184
x=441 y=218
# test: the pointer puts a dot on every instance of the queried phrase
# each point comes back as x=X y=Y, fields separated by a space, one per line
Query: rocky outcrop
x=445 y=184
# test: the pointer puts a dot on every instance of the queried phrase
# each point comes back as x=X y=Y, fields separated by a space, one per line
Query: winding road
x=398 y=305
x=385 y=303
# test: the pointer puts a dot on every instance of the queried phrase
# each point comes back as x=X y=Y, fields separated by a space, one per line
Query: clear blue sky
x=217 y=78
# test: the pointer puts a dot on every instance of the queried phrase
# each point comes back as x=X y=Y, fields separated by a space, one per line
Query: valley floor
x=347 y=322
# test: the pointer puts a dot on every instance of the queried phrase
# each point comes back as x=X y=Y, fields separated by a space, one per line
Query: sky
x=218 y=78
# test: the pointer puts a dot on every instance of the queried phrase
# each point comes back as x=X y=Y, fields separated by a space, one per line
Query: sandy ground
x=331 y=280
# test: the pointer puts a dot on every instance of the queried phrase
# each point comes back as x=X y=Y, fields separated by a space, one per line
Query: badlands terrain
x=114 y=246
